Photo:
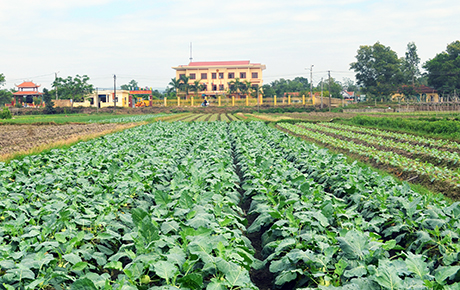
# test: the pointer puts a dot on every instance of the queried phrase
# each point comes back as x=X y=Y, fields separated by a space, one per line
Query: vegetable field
x=433 y=162
x=217 y=205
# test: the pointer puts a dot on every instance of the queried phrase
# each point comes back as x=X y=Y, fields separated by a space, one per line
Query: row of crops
x=129 y=119
x=160 y=206
x=437 y=160
x=207 y=117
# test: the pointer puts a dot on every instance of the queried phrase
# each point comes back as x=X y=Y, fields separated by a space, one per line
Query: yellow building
x=105 y=98
x=216 y=75
x=422 y=94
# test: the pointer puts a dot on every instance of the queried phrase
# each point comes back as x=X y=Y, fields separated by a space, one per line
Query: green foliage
x=377 y=69
x=5 y=97
x=444 y=69
x=5 y=114
x=158 y=207
x=49 y=104
x=131 y=86
x=410 y=64
x=73 y=88
x=437 y=127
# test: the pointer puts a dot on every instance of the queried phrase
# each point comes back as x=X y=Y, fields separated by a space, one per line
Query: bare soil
x=21 y=138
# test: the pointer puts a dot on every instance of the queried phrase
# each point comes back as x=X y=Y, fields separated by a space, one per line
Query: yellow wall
x=430 y=97
x=122 y=98
x=248 y=69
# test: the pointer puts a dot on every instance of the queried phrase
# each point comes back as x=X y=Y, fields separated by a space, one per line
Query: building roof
x=425 y=90
x=140 y=92
x=219 y=63
x=237 y=63
x=422 y=89
x=25 y=93
x=27 y=85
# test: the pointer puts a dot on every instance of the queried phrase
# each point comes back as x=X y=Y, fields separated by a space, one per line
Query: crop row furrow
x=333 y=223
x=436 y=154
x=386 y=157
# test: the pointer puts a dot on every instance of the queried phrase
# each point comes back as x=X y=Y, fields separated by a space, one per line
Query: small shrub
x=5 y=114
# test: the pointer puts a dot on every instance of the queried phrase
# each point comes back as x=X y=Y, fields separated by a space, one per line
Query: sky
x=143 y=40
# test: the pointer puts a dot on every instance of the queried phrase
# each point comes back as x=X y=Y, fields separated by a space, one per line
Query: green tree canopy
x=5 y=95
x=131 y=86
x=73 y=88
x=282 y=86
x=49 y=104
x=378 y=69
x=410 y=64
x=443 y=71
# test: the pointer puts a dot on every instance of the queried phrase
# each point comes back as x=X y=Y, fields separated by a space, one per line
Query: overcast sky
x=142 y=40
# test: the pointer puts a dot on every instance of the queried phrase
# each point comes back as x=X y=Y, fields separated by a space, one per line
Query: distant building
x=26 y=93
x=422 y=93
x=348 y=95
x=105 y=98
x=216 y=75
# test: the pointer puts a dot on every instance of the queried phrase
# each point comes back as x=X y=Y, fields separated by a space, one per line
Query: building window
x=255 y=75
x=221 y=75
x=214 y=76
x=192 y=76
x=214 y=87
x=242 y=75
x=181 y=76
x=231 y=75
x=204 y=76
x=221 y=87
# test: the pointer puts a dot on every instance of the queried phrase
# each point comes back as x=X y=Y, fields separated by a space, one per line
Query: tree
x=443 y=71
x=410 y=64
x=350 y=85
x=378 y=69
x=73 y=88
x=235 y=86
x=131 y=86
x=196 y=87
x=176 y=86
x=246 y=87
x=184 y=84
x=268 y=91
x=5 y=95
x=49 y=104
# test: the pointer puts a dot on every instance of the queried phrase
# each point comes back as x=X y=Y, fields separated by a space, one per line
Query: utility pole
x=97 y=101
x=329 y=73
x=321 y=93
x=311 y=83
x=115 y=91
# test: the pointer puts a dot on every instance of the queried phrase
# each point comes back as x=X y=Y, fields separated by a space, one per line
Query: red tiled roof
x=27 y=85
x=423 y=89
x=140 y=92
x=25 y=93
x=218 y=63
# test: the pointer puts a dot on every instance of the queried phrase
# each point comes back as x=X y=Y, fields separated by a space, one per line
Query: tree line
x=379 y=73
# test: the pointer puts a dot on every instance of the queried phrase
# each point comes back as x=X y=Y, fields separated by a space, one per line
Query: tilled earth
x=19 y=138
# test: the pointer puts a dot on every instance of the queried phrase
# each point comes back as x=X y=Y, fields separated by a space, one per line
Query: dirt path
x=22 y=138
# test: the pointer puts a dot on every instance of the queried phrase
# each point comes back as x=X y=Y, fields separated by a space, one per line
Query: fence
x=233 y=101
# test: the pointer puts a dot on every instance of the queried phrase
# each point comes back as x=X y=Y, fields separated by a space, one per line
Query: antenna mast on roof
x=191 y=58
